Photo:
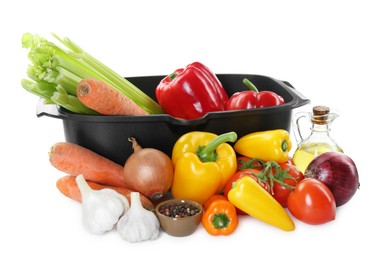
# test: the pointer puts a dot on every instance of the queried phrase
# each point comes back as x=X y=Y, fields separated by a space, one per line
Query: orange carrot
x=74 y=160
x=103 y=98
x=67 y=185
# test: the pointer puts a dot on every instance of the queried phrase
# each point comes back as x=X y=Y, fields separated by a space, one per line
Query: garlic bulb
x=138 y=224
x=101 y=209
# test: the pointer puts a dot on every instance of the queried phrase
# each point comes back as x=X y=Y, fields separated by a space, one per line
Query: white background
x=336 y=53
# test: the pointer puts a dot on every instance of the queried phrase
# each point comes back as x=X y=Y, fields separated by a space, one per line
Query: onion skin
x=148 y=171
x=338 y=171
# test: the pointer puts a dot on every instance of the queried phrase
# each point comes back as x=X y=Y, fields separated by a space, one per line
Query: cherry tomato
x=312 y=202
x=244 y=162
x=280 y=192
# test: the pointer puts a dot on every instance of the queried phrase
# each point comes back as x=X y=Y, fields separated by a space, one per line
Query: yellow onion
x=148 y=171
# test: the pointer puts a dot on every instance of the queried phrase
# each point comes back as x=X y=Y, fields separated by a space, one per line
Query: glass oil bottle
x=319 y=140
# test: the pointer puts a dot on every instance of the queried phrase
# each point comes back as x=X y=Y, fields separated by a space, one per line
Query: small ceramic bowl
x=181 y=222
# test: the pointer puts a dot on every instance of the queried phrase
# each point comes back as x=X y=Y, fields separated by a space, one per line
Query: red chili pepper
x=191 y=92
x=253 y=99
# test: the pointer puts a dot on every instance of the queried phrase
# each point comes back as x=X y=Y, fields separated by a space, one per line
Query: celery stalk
x=70 y=102
x=112 y=78
x=53 y=94
x=41 y=88
x=68 y=80
x=67 y=66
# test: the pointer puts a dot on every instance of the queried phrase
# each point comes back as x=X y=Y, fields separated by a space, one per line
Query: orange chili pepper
x=220 y=218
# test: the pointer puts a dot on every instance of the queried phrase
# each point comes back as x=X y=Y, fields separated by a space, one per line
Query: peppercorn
x=179 y=210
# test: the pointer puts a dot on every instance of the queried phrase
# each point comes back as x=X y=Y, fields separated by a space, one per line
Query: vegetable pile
x=206 y=169
x=229 y=176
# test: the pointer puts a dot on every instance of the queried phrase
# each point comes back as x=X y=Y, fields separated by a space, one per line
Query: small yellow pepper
x=248 y=196
x=271 y=145
x=203 y=163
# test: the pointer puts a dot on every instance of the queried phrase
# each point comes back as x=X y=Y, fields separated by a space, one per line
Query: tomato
x=312 y=202
x=280 y=192
x=239 y=174
x=244 y=162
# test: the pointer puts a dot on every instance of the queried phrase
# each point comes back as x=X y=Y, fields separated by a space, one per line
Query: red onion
x=338 y=172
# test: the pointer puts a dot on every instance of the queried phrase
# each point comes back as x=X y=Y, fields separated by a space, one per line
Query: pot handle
x=50 y=110
x=300 y=99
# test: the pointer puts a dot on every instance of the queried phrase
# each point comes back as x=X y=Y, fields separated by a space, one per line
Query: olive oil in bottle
x=319 y=141
x=307 y=152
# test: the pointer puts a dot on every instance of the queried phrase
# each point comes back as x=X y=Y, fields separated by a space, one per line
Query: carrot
x=74 y=160
x=103 y=98
x=67 y=185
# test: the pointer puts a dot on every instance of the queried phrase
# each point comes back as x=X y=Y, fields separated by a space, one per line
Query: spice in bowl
x=181 y=210
x=179 y=217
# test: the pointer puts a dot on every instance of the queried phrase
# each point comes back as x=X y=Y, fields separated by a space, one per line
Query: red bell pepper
x=191 y=92
x=252 y=98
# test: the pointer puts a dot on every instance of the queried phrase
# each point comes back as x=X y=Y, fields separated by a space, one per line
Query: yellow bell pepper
x=248 y=196
x=203 y=163
x=271 y=145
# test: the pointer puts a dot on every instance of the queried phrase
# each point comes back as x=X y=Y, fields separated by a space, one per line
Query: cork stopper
x=320 y=115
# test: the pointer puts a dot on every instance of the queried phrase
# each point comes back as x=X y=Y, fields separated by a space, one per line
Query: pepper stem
x=173 y=76
x=250 y=85
x=220 y=221
x=208 y=153
x=284 y=146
